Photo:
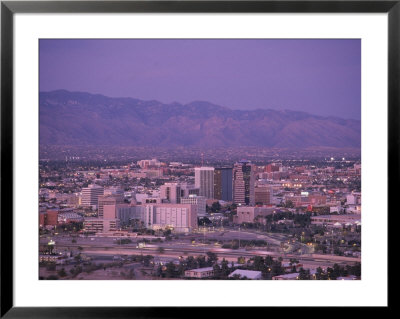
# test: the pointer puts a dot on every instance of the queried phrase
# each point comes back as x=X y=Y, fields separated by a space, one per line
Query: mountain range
x=78 y=118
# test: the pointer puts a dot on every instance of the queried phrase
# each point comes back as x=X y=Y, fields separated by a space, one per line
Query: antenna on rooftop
x=202 y=159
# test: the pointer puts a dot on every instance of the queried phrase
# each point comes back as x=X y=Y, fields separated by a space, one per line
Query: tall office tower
x=90 y=195
x=108 y=200
x=223 y=183
x=263 y=195
x=204 y=180
x=171 y=192
x=243 y=183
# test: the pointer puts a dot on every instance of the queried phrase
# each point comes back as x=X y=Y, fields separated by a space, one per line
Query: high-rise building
x=204 y=180
x=243 y=183
x=180 y=217
x=124 y=212
x=90 y=195
x=171 y=192
x=199 y=201
x=188 y=189
x=48 y=218
x=223 y=183
x=263 y=195
x=108 y=200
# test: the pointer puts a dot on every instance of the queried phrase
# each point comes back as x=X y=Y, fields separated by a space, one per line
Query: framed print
x=159 y=155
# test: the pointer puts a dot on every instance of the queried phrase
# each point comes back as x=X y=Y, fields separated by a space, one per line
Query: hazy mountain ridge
x=78 y=118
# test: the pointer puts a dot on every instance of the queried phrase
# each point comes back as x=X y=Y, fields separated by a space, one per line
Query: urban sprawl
x=160 y=220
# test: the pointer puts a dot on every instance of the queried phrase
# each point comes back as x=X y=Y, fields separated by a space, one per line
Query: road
x=107 y=246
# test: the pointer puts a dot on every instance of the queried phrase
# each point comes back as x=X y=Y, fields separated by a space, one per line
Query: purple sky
x=322 y=77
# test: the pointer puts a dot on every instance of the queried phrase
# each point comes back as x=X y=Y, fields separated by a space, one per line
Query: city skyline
x=144 y=188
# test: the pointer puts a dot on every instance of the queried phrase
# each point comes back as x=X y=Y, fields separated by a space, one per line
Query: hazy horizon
x=321 y=77
x=201 y=101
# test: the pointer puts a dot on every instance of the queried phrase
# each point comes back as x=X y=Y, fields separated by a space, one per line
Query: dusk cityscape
x=199 y=159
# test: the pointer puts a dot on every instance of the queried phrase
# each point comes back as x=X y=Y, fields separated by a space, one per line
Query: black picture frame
x=9 y=8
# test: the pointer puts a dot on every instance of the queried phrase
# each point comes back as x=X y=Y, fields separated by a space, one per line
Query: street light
x=239 y=236
x=204 y=239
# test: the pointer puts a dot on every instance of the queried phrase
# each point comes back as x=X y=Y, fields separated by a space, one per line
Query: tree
x=304 y=274
x=161 y=250
x=78 y=257
x=320 y=275
x=224 y=269
x=268 y=260
x=62 y=272
x=211 y=258
x=191 y=262
x=258 y=263
x=146 y=260
x=276 y=269
x=201 y=261
x=158 y=272
x=170 y=270
x=217 y=271
x=215 y=207
x=289 y=204
x=293 y=261
x=51 y=267
x=131 y=274
x=337 y=271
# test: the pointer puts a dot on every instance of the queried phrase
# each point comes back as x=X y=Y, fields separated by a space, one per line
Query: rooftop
x=201 y=269
x=251 y=274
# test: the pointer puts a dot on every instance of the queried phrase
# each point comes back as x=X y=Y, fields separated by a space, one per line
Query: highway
x=108 y=247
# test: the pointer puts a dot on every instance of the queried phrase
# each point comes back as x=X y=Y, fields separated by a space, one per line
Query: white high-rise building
x=204 y=180
x=171 y=192
x=180 y=217
x=199 y=201
x=90 y=195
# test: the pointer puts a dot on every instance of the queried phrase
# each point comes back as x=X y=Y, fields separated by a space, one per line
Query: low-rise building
x=293 y=276
x=206 y=272
x=336 y=219
x=248 y=274
x=247 y=214
x=349 y=277
x=69 y=217
x=99 y=225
